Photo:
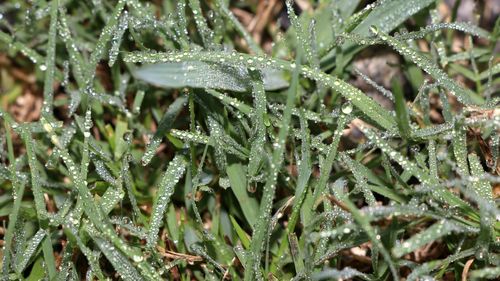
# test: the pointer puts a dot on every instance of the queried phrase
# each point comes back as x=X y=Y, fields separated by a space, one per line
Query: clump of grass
x=167 y=149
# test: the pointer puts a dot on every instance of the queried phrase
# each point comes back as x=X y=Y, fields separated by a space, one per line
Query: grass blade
x=252 y=269
x=172 y=175
x=120 y=263
x=49 y=67
x=434 y=232
x=465 y=96
x=248 y=204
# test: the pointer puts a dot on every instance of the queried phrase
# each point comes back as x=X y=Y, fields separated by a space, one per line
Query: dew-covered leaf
x=50 y=61
x=120 y=263
x=32 y=245
x=266 y=204
x=390 y=14
x=434 y=232
x=197 y=74
x=343 y=274
x=170 y=178
x=464 y=95
x=248 y=204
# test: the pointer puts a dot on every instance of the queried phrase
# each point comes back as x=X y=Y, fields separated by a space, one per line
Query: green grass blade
x=434 y=232
x=23 y=258
x=120 y=263
x=363 y=221
x=49 y=67
x=248 y=204
x=100 y=46
x=244 y=238
x=459 y=142
x=327 y=165
x=252 y=269
x=170 y=178
x=390 y=14
x=259 y=113
x=465 y=96
x=205 y=32
x=36 y=186
x=401 y=111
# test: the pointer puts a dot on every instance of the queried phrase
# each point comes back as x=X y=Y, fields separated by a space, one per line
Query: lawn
x=249 y=140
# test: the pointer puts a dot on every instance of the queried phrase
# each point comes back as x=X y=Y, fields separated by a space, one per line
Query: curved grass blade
x=23 y=258
x=465 y=96
x=172 y=175
x=259 y=113
x=390 y=14
x=434 y=232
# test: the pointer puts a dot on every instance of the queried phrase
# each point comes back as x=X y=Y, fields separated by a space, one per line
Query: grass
x=173 y=142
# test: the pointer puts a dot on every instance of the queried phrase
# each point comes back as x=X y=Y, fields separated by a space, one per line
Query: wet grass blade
x=170 y=178
x=36 y=186
x=252 y=269
x=50 y=61
x=24 y=257
x=364 y=223
x=120 y=263
x=401 y=111
x=465 y=96
x=434 y=232
x=248 y=204
x=259 y=113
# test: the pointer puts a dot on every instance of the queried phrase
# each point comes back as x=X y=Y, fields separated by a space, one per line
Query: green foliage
x=171 y=144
